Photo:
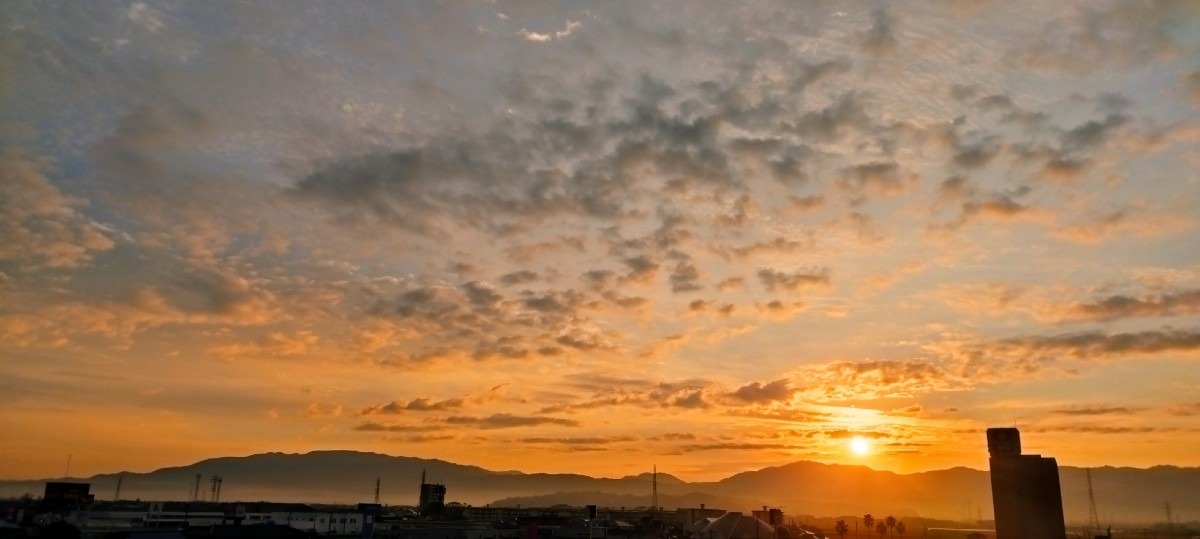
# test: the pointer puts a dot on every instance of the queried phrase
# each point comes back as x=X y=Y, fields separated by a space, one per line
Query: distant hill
x=1127 y=494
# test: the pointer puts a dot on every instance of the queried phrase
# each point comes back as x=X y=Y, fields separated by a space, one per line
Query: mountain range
x=801 y=488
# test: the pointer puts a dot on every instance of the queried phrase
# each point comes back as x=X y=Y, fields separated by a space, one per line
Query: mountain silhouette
x=802 y=488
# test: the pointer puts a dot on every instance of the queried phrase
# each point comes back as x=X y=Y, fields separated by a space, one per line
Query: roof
x=735 y=525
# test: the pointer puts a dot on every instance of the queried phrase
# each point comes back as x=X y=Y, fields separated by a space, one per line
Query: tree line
x=882 y=527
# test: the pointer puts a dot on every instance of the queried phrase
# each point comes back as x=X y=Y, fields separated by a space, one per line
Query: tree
x=891 y=523
x=841 y=528
x=900 y=527
x=868 y=521
x=881 y=527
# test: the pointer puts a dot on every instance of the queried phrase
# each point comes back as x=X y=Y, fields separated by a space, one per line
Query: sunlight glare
x=860 y=445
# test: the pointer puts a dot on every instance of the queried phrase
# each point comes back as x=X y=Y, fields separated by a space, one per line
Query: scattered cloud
x=508 y=421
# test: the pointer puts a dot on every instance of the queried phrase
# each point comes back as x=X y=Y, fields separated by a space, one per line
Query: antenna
x=117 y=496
x=216 y=488
x=1170 y=525
x=67 y=474
x=377 y=490
x=654 y=490
x=1093 y=516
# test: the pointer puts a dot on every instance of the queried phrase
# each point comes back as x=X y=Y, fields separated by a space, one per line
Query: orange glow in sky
x=709 y=236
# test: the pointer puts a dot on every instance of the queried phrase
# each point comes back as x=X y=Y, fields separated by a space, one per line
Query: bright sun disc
x=860 y=445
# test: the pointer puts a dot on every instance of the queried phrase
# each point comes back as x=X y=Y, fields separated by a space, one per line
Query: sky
x=598 y=237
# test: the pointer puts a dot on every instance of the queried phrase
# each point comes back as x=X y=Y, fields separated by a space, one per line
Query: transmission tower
x=117 y=496
x=216 y=488
x=376 y=490
x=1093 y=516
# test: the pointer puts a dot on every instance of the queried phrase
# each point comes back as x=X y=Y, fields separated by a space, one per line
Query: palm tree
x=881 y=527
x=868 y=521
x=900 y=527
x=891 y=523
x=841 y=528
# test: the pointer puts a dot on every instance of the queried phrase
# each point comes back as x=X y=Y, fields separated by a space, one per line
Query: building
x=1026 y=494
x=62 y=495
x=433 y=498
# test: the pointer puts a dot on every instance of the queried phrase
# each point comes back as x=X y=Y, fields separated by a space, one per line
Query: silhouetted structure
x=1026 y=495
x=433 y=497
x=62 y=495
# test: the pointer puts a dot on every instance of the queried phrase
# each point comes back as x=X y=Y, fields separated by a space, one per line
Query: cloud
x=146 y=17
x=774 y=280
x=1022 y=357
x=880 y=38
x=985 y=298
x=1089 y=345
x=43 y=228
x=685 y=277
x=757 y=392
x=508 y=421
x=1107 y=430
x=768 y=247
x=1184 y=302
x=1192 y=87
x=492 y=324
x=731 y=283
x=318 y=410
x=1184 y=410
x=1121 y=224
x=846 y=380
x=568 y=29
x=518 y=277
x=733 y=446
x=273 y=344
x=992 y=207
x=1096 y=411
x=779 y=310
x=642 y=269
x=1092 y=37
x=1092 y=134
x=882 y=178
x=534 y=36
x=380 y=427
x=688 y=394
x=580 y=440
x=420 y=404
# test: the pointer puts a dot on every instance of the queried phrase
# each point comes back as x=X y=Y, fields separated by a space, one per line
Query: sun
x=860 y=445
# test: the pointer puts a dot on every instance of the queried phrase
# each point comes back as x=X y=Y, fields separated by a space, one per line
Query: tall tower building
x=1026 y=495
x=433 y=497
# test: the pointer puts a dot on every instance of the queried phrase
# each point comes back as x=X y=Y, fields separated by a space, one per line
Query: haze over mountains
x=1122 y=494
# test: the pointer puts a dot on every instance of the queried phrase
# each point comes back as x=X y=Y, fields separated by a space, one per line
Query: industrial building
x=1026 y=495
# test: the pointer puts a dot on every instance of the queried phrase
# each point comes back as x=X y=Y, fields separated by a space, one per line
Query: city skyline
x=570 y=237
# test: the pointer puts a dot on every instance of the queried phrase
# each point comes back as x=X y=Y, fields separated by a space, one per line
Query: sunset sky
x=597 y=237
